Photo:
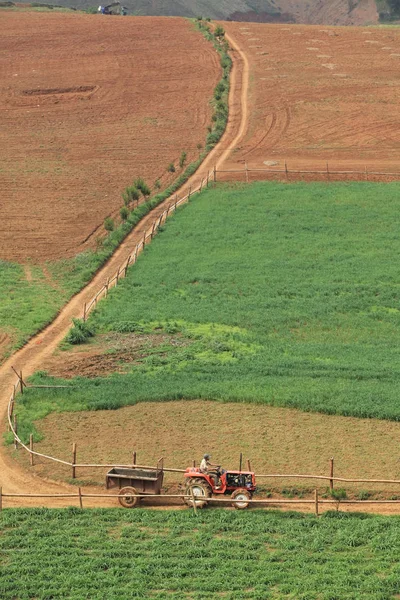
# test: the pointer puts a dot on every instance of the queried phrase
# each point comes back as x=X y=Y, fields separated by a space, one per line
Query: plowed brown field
x=88 y=103
x=320 y=94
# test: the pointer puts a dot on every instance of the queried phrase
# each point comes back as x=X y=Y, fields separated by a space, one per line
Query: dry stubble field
x=320 y=94
x=87 y=104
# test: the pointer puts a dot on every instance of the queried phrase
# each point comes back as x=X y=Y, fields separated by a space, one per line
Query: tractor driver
x=209 y=469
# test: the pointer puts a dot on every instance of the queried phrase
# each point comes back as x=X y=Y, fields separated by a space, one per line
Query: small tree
x=131 y=194
x=109 y=224
x=157 y=184
x=141 y=185
x=219 y=31
x=124 y=213
x=171 y=168
x=182 y=159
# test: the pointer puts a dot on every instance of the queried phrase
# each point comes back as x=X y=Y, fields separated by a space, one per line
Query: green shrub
x=141 y=185
x=128 y=327
x=219 y=31
x=109 y=224
x=124 y=213
x=157 y=184
x=80 y=332
x=130 y=195
x=171 y=168
x=182 y=159
x=338 y=494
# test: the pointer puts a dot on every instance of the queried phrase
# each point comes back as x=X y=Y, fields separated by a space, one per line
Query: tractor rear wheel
x=200 y=490
x=241 y=498
x=127 y=497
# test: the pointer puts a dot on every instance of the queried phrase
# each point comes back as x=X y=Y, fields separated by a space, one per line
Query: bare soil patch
x=107 y=354
x=307 y=114
x=277 y=441
x=88 y=104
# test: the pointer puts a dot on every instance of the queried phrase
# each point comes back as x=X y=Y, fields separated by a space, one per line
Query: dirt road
x=14 y=479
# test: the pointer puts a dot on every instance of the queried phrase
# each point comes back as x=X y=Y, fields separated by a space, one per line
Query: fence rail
x=20 y=384
x=316 y=501
x=328 y=172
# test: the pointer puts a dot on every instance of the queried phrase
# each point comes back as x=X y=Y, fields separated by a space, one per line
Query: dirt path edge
x=13 y=478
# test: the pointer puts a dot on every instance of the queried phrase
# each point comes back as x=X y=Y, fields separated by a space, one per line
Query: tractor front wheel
x=241 y=499
x=200 y=490
x=127 y=497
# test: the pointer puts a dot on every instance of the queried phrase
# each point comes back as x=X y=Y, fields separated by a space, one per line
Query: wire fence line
x=147 y=236
x=20 y=385
x=327 y=173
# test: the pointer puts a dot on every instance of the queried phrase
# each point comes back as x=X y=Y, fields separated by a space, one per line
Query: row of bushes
x=221 y=92
x=139 y=188
x=130 y=218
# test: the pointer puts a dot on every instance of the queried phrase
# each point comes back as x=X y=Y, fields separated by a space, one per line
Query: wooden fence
x=327 y=173
x=20 y=385
x=330 y=477
x=316 y=502
x=147 y=237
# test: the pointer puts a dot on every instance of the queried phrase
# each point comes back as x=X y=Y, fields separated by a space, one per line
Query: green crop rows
x=119 y=555
x=279 y=294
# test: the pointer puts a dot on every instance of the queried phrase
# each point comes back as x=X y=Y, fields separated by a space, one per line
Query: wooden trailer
x=134 y=482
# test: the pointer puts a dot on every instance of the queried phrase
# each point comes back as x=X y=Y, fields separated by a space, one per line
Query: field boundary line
x=73 y=465
x=315 y=501
x=364 y=174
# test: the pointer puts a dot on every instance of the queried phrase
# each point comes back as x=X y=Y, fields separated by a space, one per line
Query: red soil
x=320 y=94
x=87 y=104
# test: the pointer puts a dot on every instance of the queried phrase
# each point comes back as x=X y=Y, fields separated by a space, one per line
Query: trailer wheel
x=241 y=499
x=200 y=490
x=128 y=501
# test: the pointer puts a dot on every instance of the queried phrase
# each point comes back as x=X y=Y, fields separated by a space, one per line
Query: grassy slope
x=121 y=555
x=279 y=294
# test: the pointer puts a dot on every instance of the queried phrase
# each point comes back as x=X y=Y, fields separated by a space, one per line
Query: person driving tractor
x=209 y=469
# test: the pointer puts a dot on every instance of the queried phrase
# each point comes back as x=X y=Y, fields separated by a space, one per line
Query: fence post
x=21 y=382
x=208 y=177
x=327 y=170
x=144 y=239
x=286 y=170
x=190 y=191
x=106 y=286
x=152 y=230
x=127 y=264
x=248 y=465
x=215 y=173
x=194 y=463
x=316 y=503
x=31 y=449
x=331 y=474
x=247 y=172
x=134 y=458
x=73 y=460
x=1 y=498
x=117 y=277
x=84 y=312
x=194 y=501
x=240 y=462
x=80 y=497
x=16 y=431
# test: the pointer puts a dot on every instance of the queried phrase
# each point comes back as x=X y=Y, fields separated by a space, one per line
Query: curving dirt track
x=87 y=104
x=319 y=95
x=14 y=479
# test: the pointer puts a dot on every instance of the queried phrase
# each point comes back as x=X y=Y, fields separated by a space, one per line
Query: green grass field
x=120 y=554
x=273 y=293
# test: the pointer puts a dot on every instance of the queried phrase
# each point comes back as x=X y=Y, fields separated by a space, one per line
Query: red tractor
x=240 y=485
